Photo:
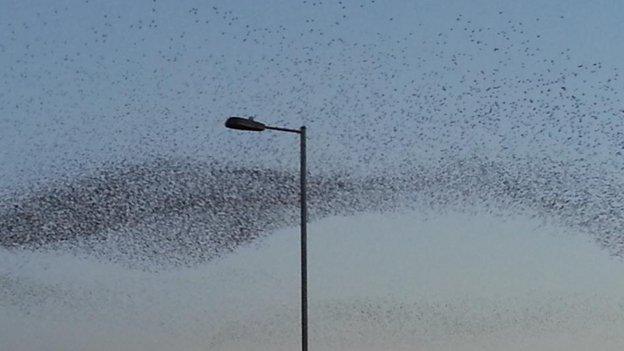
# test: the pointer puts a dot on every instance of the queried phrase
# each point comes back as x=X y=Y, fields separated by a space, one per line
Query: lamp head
x=240 y=123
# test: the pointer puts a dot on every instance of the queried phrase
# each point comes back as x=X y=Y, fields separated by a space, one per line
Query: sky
x=380 y=85
x=530 y=89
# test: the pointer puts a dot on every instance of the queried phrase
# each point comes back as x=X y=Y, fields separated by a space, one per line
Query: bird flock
x=111 y=117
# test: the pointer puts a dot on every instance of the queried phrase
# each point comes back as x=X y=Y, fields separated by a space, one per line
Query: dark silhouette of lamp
x=248 y=124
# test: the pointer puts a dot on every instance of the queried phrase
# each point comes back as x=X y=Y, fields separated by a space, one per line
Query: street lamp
x=249 y=124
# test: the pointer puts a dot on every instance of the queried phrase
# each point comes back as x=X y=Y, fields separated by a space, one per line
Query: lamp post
x=249 y=124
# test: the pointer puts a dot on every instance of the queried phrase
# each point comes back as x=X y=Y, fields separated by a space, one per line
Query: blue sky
x=84 y=82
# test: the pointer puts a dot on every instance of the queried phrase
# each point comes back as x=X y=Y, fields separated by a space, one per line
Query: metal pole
x=304 y=258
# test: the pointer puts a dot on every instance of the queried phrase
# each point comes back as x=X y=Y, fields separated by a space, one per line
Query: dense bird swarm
x=450 y=113
x=178 y=211
x=184 y=211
